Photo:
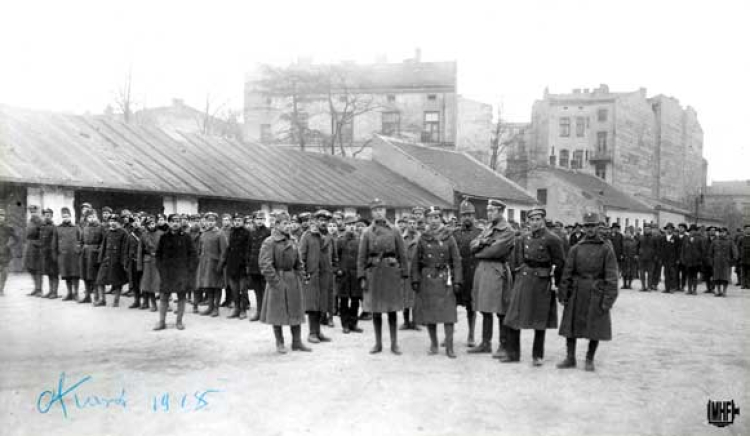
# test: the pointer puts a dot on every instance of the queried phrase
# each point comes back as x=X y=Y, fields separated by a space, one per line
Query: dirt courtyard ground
x=670 y=354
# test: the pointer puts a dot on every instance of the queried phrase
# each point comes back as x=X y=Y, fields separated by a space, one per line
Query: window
x=627 y=222
x=618 y=221
x=541 y=196
x=391 y=98
x=431 y=97
x=601 y=171
x=565 y=126
x=580 y=126
x=431 y=131
x=577 y=162
x=523 y=216
x=636 y=223
x=390 y=123
x=601 y=115
x=265 y=133
x=511 y=214
x=553 y=160
x=564 y=155
x=601 y=142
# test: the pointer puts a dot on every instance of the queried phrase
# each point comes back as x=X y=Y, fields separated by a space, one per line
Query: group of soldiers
x=314 y=266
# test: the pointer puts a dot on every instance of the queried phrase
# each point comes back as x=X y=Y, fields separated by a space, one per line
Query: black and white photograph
x=352 y=217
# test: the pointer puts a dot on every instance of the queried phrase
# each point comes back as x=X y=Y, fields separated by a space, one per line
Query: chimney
x=418 y=55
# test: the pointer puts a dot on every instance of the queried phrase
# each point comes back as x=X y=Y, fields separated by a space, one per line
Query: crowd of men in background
x=201 y=258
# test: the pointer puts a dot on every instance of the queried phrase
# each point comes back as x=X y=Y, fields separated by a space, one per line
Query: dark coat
x=382 y=261
x=112 y=258
x=722 y=254
x=693 y=251
x=744 y=250
x=346 y=271
x=92 y=236
x=669 y=249
x=8 y=240
x=283 y=303
x=464 y=236
x=493 y=279
x=617 y=241
x=410 y=245
x=588 y=290
x=238 y=252
x=173 y=259
x=648 y=246
x=316 y=256
x=574 y=239
x=532 y=302
x=436 y=267
x=68 y=249
x=212 y=252
x=629 y=262
x=32 y=256
x=47 y=236
x=150 y=280
x=257 y=236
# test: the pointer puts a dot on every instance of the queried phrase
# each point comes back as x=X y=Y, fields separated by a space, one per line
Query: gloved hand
x=363 y=284
x=339 y=273
x=415 y=286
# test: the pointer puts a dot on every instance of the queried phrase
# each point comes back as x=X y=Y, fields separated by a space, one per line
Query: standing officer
x=670 y=256
x=436 y=277
x=708 y=269
x=381 y=266
x=236 y=259
x=213 y=244
x=692 y=254
x=135 y=233
x=464 y=234
x=418 y=214
x=67 y=250
x=588 y=291
x=410 y=237
x=47 y=238
x=492 y=278
x=744 y=253
x=647 y=246
x=629 y=258
x=112 y=261
x=532 y=301
x=173 y=259
x=150 y=282
x=257 y=280
x=681 y=269
x=347 y=288
x=8 y=241
x=315 y=253
x=92 y=235
x=32 y=257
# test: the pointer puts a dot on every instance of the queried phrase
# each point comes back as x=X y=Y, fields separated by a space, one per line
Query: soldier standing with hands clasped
x=174 y=256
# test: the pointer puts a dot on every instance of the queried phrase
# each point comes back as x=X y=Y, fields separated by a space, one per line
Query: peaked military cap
x=536 y=211
x=322 y=213
x=304 y=216
x=591 y=218
x=33 y=208
x=213 y=215
x=496 y=204
x=433 y=210
x=65 y=211
x=259 y=214
x=466 y=207
x=107 y=209
x=86 y=205
x=375 y=203
x=417 y=209
x=172 y=217
x=350 y=219
x=281 y=216
x=48 y=211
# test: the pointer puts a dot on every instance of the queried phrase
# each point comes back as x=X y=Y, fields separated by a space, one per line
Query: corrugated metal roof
x=597 y=188
x=467 y=175
x=80 y=151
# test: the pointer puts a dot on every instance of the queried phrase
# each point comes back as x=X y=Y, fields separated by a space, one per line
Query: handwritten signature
x=162 y=402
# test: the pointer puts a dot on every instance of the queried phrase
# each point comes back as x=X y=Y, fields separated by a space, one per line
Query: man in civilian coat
x=681 y=269
x=256 y=279
x=743 y=249
x=692 y=255
x=708 y=269
x=670 y=256
x=466 y=232
x=347 y=288
x=210 y=276
x=112 y=261
x=532 y=301
x=173 y=259
x=68 y=251
x=381 y=268
x=236 y=259
x=587 y=291
x=493 y=278
x=8 y=241
x=647 y=248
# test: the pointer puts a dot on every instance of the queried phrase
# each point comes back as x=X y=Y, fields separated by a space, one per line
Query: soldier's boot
x=217 y=300
x=197 y=298
x=279 y=334
x=313 y=320
x=244 y=304
x=570 y=359
x=118 y=291
x=590 y=355
x=87 y=292
x=152 y=297
x=377 y=324
x=145 y=304
x=37 y=292
x=76 y=286
x=538 y=349
x=321 y=336
x=486 y=345
x=407 y=324
x=210 y=309
x=297 y=344
x=471 y=317
x=227 y=298
x=449 y=341
x=502 y=343
x=101 y=298
x=163 y=304
x=181 y=303
x=236 y=310
x=136 y=298
x=69 y=293
x=393 y=329
x=432 y=332
x=54 y=283
x=513 y=346
x=259 y=296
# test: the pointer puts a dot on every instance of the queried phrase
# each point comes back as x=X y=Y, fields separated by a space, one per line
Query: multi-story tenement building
x=648 y=147
x=336 y=108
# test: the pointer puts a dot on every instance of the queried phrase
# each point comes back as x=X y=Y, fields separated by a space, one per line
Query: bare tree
x=502 y=137
x=123 y=98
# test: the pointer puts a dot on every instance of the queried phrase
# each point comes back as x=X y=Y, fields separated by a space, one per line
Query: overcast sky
x=73 y=55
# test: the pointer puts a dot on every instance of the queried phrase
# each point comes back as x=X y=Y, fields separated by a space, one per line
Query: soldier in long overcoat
x=691 y=256
x=493 y=280
x=135 y=232
x=381 y=266
x=708 y=269
x=347 y=286
x=648 y=245
x=92 y=235
x=68 y=252
x=8 y=241
x=256 y=279
x=464 y=234
x=211 y=254
x=410 y=236
x=629 y=262
x=112 y=261
x=532 y=301
x=722 y=254
x=236 y=258
x=436 y=277
x=32 y=256
x=47 y=236
x=150 y=281
x=669 y=253
x=588 y=291
x=283 y=303
x=743 y=248
x=174 y=256
x=316 y=255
